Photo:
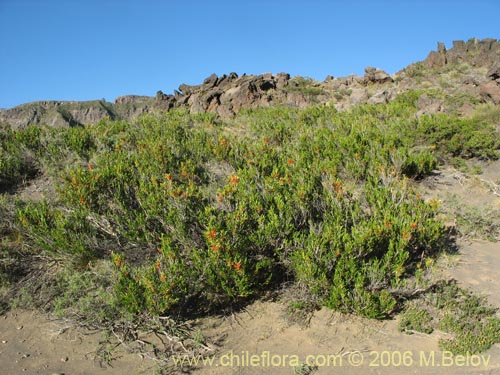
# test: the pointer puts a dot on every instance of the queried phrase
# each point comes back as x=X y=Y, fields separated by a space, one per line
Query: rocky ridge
x=469 y=69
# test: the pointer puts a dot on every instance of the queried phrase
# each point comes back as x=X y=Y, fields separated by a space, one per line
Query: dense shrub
x=196 y=215
x=17 y=160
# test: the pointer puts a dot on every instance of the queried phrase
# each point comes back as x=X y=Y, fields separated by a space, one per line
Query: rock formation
x=476 y=61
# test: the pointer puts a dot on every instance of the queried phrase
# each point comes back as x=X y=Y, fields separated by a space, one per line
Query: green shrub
x=415 y=319
x=17 y=161
x=472 y=323
x=199 y=217
x=454 y=137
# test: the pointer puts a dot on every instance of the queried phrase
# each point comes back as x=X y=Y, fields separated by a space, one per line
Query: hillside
x=354 y=219
x=469 y=70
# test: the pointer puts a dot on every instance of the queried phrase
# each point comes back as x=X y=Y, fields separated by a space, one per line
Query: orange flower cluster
x=235 y=265
x=212 y=234
x=233 y=179
x=337 y=186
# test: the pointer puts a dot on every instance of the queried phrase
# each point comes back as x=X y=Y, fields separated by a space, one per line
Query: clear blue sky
x=93 y=49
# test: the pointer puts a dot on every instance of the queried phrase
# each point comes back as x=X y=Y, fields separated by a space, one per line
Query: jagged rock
x=494 y=72
x=186 y=89
x=435 y=60
x=226 y=80
x=211 y=81
x=382 y=97
x=282 y=80
x=374 y=75
x=160 y=95
x=475 y=52
x=490 y=91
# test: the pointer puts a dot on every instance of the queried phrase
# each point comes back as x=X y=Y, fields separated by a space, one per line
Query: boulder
x=494 y=72
x=435 y=60
x=382 y=97
x=373 y=75
x=186 y=89
x=490 y=91
x=282 y=80
x=210 y=81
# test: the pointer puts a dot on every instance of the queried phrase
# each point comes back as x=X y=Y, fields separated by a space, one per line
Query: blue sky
x=94 y=49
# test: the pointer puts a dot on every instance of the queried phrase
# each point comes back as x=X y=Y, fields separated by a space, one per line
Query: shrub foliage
x=197 y=214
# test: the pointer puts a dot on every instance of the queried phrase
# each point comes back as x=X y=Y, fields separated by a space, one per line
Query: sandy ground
x=261 y=340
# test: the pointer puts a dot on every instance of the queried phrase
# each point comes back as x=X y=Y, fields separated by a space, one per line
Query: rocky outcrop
x=480 y=53
x=228 y=94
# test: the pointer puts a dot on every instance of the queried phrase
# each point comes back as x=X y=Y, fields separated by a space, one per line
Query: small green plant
x=450 y=308
x=415 y=319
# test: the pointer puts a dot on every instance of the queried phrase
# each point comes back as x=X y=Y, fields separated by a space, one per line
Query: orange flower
x=337 y=186
x=158 y=265
x=237 y=266
x=168 y=176
x=118 y=261
x=215 y=248
x=90 y=167
x=413 y=225
x=234 y=179
x=388 y=224
x=291 y=162
x=212 y=234
x=222 y=141
x=163 y=278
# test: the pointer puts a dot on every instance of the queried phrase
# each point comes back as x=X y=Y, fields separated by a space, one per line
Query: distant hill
x=470 y=69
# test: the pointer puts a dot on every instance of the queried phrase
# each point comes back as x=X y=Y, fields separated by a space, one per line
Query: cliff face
x=471 y=68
